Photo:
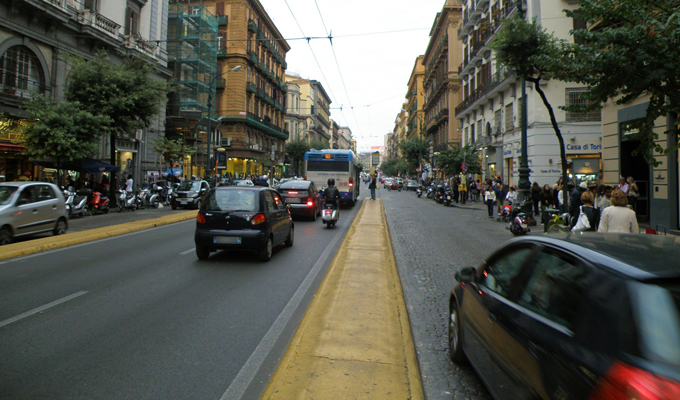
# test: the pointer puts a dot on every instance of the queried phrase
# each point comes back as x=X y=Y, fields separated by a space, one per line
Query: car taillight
x=351 y=182
x=328 y=211
x=627 y=382
x=310 y=202
x=200 y=218
x=258 y=219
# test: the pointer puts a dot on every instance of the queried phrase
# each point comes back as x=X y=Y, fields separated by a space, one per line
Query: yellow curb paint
x=354 y=341
x=69 y=239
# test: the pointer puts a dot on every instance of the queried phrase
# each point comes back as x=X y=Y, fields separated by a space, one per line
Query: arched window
x=20 y=72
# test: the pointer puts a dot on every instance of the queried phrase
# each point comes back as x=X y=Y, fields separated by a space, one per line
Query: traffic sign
x=464 y=167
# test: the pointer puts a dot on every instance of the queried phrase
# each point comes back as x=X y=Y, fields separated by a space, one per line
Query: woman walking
x=535 y=197
x=618 y=217
x=489 y=198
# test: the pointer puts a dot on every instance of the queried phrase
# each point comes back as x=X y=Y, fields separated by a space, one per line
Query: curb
x=69 y=239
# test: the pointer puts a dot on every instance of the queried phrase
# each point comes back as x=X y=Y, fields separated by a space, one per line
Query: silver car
x=27 y=208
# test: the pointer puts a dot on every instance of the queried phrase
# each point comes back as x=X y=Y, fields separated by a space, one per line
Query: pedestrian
x=618 y=217
x=501 y=194
x=546 y=197
x=633 y=191
x=489 y=199
x=556 y=196
x=575 y=199
x=535 y=197
x=372 y=185
x=105 y=181
x=511 y=196
x=462 y=188
x=591 y=213
x=473 y=190
x=128 y=184
x=605 y=200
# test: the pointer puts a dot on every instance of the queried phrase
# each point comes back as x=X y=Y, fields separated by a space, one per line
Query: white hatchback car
x=27 y=208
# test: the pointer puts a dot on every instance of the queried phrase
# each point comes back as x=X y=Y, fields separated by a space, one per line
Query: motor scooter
x=519 y=223
x=99 y=203
x=146 y=199
x=330 y=214
x=76 y=203
x=419 y=191
x=126 y=201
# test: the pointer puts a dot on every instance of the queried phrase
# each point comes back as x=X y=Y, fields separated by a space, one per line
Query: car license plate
x=292 y=200
x=183 y=201
x=226 y=240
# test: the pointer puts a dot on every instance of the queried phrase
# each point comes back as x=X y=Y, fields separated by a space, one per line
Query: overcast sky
x=366 y=69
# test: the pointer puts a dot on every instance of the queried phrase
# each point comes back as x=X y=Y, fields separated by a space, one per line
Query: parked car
x=302 y=197
x=189 y=194
x=576 y=316
x=412 y=184
x=243 y=218
x=28 y=208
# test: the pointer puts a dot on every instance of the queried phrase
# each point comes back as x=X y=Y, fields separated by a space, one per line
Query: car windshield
x=189 y=185
x=6 y=193
x=233 y=200
x=304 y=185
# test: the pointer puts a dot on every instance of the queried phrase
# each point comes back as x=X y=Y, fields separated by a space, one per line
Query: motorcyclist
x=331 y=194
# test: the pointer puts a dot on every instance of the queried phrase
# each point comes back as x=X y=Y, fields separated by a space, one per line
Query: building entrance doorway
x=637 y=167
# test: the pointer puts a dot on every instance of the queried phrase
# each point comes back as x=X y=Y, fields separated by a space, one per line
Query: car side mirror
x=467 y=274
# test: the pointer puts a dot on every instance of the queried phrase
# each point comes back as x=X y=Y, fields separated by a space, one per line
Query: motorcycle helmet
x=265 y=177
x=331 y=182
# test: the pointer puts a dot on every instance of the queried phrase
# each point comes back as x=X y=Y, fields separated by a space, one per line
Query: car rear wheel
x=202 y=253
x=291 y=237
x=266 y=253
x=60 y=227
x=455 y=348
x=5 y=236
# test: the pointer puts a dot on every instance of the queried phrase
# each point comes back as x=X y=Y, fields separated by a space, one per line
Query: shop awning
x=174 y=171
x=86 y=164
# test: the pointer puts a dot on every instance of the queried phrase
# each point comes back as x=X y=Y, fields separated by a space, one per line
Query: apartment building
x=34 y=37
x=489 y=114
x=441 y=83
x=345 y=141
x=311 y=103
x=415 y=99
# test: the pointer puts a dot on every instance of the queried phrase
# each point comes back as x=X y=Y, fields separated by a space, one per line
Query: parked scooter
x=76 y=203
x=126 y=201
x=99 y=203
x=448 y=195
x=330 y=214
x=519 y=225
x=419 y=191
x=146 y=199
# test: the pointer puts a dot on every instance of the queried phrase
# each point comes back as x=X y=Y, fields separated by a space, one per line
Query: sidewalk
x=355 y=339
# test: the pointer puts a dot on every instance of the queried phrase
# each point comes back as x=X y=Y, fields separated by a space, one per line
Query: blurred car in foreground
x=242 y=218
x=302 y=198
x=575 y=316
x=28 y=208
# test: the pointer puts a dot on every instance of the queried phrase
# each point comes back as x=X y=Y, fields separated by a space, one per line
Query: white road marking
x=187 y=252
x=41 y=308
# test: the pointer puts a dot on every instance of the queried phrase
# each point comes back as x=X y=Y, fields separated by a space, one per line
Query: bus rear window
x=335 y=166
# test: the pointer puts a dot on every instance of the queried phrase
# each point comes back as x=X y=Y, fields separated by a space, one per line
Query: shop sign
x=583 y=147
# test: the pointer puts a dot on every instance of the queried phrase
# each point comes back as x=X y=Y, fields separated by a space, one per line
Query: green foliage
x=64 y=131
x=124 y=91
x=632 y=53
x=319 y=145
x=172 y=150
x=396 y=167
x=265 y=160
x=296 y=151
x=412 y=149
x=451 y=160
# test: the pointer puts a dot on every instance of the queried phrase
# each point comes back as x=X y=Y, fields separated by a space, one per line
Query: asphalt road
x=138 y=316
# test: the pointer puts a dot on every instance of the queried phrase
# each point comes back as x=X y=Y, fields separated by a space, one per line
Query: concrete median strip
x=54 y=242
x=355 y=339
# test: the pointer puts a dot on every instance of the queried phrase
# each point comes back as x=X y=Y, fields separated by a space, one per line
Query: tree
x=63 y=131
x=171 y=150
x=631 y=52
x=395 y=166
x=524 y=47
x=451 y=160
x=413 y=149
x=296 y=151
x=319 y=145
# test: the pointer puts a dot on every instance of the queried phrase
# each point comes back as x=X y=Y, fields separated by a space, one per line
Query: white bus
x=341 y=165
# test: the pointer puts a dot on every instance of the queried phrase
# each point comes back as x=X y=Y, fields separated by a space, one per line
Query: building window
x=132 y=19
x=509 y=123
x=574 y=97
x=20 y=72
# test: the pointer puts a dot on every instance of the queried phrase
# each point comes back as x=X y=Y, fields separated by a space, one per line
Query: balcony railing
x=483 y=89
x=136 y=42
x=98 y=21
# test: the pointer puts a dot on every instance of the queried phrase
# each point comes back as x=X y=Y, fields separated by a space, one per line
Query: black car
x=242 y=218
x=579 y=316
x=189 y=194
x=302 y=197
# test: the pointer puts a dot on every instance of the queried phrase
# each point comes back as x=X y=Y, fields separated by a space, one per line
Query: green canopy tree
x=319 y=145
x=171 y=150
x=523 y=47
x=632 y=52
x=63 y=131
x=296 y=151
x=396 y=166
x=412 y=149
x=451 y=160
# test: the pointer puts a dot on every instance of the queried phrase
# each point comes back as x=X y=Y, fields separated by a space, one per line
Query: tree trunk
x=558 y=133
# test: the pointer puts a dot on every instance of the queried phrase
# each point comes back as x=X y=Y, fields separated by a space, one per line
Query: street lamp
x=208 y=169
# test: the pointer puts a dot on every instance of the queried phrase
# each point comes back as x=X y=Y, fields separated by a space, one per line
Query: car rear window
x=657 y=309
x=295 y=185
x=233 y=200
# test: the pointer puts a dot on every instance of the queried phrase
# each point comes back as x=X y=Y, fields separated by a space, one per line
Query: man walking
x=372 y=186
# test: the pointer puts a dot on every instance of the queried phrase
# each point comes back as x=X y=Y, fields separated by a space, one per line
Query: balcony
x=252 y=27
x=222 y=20
x=220 y=83
x=99 y=22
x=496 y=79
x=136 y=42
x=251 y=87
